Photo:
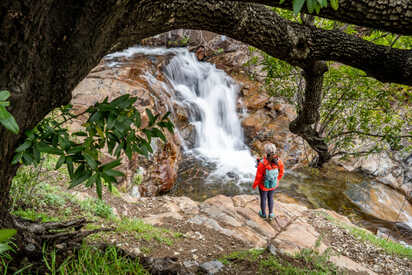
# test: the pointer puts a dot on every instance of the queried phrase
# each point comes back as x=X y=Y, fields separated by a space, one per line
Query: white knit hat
x=270 y=148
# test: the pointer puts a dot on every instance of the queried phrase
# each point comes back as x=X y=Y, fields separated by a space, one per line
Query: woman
x=268 y=174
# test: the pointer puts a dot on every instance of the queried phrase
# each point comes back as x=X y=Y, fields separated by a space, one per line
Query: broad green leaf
x=121 y=101
x=4 y=103
x=69 y=163
x=157 y=133
x=110 y=165
x=24 y=146
x=297 y=6
x=60 y=162
x=309 y=5
x=4 y=247
x=6 y=234
x=137 y=119
x=43 y=147
x=4 y=95
x=27 y=158
x=8 y=121
x=113 y=173
x=281 y=2
x=150 y=116
x=90 y=160
x=334 y=4
x=99 y=187
x=80 y=134
x=17 y=157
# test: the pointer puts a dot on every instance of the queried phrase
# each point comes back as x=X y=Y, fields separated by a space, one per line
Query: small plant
x=97 y=208
x=145 y=231
x=6 y=119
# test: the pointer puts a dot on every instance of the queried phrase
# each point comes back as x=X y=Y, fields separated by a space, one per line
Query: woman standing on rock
x=268 y=174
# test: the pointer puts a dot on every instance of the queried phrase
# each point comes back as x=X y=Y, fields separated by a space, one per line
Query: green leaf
x=309 y=5
x=8 y=120
x=157 y=133
x=24 y=146
x=27 y=158
x=4 y=247
x=17 y=157
x=69 y=163
x=60 y=162
x=113 y=173
x=281 y=2
x=4 y=95
x=137 y=119
x=6 y=234
x=150 y=116
x=80 y=134
x=99 y=187
x=43 y=147
x=90 y=160
x=334 y=4
x=128 y=151
x=110 y=165
x=121 y=101
x=80 y=176
x=92 y=180
x=148 y=134
x=111 y=121
x=297 y=6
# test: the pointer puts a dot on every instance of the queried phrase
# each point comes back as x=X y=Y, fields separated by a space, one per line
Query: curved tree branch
x=391 y=15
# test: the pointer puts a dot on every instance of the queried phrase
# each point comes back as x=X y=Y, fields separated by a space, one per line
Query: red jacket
x=261 y=170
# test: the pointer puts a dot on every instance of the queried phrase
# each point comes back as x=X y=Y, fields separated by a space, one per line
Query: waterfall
x=211 y=97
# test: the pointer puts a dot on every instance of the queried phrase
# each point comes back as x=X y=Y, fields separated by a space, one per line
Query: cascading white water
x=210 y=95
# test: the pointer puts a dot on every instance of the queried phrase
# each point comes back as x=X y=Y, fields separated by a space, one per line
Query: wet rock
x=212 y=267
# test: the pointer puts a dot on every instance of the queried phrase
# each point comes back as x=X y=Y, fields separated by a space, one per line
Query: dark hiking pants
x=269 y=196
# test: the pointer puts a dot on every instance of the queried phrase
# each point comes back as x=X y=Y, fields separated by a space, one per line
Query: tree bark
x=392 y=15
x=309 y=112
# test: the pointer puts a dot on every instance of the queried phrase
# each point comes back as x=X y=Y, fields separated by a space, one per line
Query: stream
x=219 y=162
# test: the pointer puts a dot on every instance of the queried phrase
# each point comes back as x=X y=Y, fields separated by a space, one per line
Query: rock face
x=135 y=77
x=295 y=228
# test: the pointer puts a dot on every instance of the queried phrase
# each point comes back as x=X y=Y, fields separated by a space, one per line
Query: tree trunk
x=309 y=111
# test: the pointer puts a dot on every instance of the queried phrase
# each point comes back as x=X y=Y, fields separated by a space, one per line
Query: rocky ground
x=210 y=230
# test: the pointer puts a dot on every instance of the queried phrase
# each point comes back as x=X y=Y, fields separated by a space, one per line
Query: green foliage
x=5 y=239
x=97 y=207
x=354 y=109
x=145 y=231
x=115 y=125
x=313 y=5
x=33 y=215
x=90 y=260
x=6 y=119
x=307 y=261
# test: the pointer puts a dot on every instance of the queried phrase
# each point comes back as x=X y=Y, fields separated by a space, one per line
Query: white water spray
x=211 y=97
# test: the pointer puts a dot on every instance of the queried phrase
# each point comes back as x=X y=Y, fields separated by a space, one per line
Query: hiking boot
x=271 y=216
x=261 y=215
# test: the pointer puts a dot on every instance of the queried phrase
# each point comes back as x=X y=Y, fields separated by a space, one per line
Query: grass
x=263 y=262
x=388 y=246
x=33 y=215
x=87 y=260
x=147 y=232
